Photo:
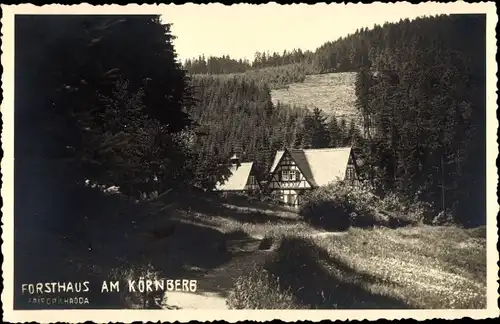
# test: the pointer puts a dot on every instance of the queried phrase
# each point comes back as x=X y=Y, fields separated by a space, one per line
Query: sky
x=241 y=30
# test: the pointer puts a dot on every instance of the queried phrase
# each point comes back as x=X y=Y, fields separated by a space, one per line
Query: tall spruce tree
x=315 y=130
x=67 y=65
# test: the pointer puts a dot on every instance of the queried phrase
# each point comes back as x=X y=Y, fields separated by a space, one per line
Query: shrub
x=259 y=290
x=444 y=218
x=340 y=205
x=390 y=202
x=137 y=299
x=478 y=232
x=402 y=210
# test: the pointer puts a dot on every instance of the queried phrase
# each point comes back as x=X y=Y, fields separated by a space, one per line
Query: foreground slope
x=217 y=242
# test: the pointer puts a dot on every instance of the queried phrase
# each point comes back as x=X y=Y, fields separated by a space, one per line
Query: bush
x=444 y=218
x=145 y=300
x=479 y=232
x=340 y=205
x=390 y=202
x=259 y=290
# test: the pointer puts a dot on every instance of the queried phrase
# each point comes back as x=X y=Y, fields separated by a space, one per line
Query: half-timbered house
x=294 y=171
x=242 y=178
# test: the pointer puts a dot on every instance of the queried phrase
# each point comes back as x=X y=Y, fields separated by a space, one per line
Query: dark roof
x=300 y=159
x=319 y=166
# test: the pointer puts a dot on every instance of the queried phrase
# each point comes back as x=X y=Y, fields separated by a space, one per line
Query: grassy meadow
x=334 y=93
x=256 y=255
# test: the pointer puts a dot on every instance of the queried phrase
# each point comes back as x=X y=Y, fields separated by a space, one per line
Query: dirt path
x=326 y=234
x=214 y=286
x=181 y=300
x=318 y=234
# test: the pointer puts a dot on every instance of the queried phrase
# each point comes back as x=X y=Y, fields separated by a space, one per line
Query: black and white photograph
x=165 y=159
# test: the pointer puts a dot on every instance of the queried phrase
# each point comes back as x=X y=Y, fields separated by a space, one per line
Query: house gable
x=288 y=173
x=352 y=170
x=252 y=182
x=318 y=167
x=295 y=171
x=239 y=178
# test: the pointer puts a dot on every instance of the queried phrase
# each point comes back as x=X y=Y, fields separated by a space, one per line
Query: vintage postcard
x=249 y=162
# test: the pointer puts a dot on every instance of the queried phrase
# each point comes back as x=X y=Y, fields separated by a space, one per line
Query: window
x=350 y=173
x=290 y=175
x=285 y=175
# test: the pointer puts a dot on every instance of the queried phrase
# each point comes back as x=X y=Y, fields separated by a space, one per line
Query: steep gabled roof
x=238 y=178
x=277 y=159
x=300 y=158
x=319 y=166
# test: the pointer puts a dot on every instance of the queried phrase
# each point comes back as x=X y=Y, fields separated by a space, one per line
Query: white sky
x=241 y=30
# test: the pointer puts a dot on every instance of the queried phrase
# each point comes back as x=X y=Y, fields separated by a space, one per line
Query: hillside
x=226 y=243
x=334 y=93
x=86 y=118
x=236 y=112
x=408 y=268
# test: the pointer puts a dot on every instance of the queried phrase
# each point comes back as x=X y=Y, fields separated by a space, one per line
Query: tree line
x=236 y=114
x=365 y=48
x=215 y=65
x=421 y=92
x=423 y=105
x=225 y=64
x=88 y=115
x=100 y=100
x=85 y=111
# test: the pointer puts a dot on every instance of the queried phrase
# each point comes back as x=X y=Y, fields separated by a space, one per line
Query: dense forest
x=420 y=90
x=236 y=115
x=379 y=47
x=102 y=102
x=86 y=113
x=152 y=126
x=225 y=64
x=425 y=107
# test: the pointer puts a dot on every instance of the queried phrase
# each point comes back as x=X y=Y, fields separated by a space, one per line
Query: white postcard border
x=7 y=109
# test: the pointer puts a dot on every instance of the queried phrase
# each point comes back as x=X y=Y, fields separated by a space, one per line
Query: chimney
x=235 y=161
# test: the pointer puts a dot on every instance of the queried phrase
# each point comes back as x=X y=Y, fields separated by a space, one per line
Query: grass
x=428 y=267
x=256 y=230
x=276 y=77
x=419 y=267
x=334 y=93
x=410 y=267
x=269 y=289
